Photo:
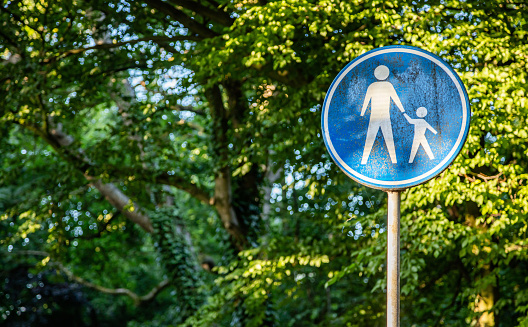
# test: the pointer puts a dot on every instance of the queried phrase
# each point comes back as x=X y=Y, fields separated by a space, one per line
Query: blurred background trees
x=162 y=165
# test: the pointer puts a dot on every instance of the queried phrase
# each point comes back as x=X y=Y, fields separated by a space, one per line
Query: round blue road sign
x=395 y=117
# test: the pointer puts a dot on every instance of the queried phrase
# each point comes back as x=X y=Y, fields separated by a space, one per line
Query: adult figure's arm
x=431 y=128
x=368 y=96
x=396 y=99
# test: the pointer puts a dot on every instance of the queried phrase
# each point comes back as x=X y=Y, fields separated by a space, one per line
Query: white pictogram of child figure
x=420 y=127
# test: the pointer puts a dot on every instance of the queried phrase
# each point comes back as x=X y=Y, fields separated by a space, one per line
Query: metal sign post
x=393 y=259
x=393 y=118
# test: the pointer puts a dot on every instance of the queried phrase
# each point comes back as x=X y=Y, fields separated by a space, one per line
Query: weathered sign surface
x=395 y=117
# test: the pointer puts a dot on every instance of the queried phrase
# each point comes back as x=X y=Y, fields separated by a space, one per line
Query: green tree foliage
x=162 y=164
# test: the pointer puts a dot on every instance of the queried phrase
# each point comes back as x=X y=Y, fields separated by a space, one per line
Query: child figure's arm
x=409 y=119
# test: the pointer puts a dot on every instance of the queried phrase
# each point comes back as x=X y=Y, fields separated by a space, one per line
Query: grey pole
x=393 y=259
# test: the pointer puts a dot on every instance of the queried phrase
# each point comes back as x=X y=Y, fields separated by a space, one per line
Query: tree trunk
x=484 y=304
x=223 y=188
x=486 y=299
x=224 y=207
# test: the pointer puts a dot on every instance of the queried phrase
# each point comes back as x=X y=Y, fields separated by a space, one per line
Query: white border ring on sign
x=381 y=184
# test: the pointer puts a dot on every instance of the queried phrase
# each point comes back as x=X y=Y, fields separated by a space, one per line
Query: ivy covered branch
x=138 y=299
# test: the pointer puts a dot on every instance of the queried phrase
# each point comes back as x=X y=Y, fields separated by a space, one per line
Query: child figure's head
x=421 y=112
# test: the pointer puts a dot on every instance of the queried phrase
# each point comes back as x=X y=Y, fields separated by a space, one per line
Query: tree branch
x=184 y=185
x=187 y=108
x=163 y=178
x=60 y=141
x=30 y=252
x=138 y=300
x=123 y=68
x=10 y=41
x=19 y=20
x=100 y=228
x=179 y=182
x=122 y=203
x=191 y=125
x=217 y=16
x=112 y=194
x=201 y=30
x=102 y=46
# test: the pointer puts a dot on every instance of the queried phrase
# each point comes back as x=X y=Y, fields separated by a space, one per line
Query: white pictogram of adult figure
x=420 y=127
x=379 y=94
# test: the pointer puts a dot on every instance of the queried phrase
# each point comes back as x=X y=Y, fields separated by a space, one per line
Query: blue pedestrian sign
x=395 y=117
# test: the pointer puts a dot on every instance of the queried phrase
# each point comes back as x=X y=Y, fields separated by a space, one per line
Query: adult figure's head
x=421 y=112
x=381 y=72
